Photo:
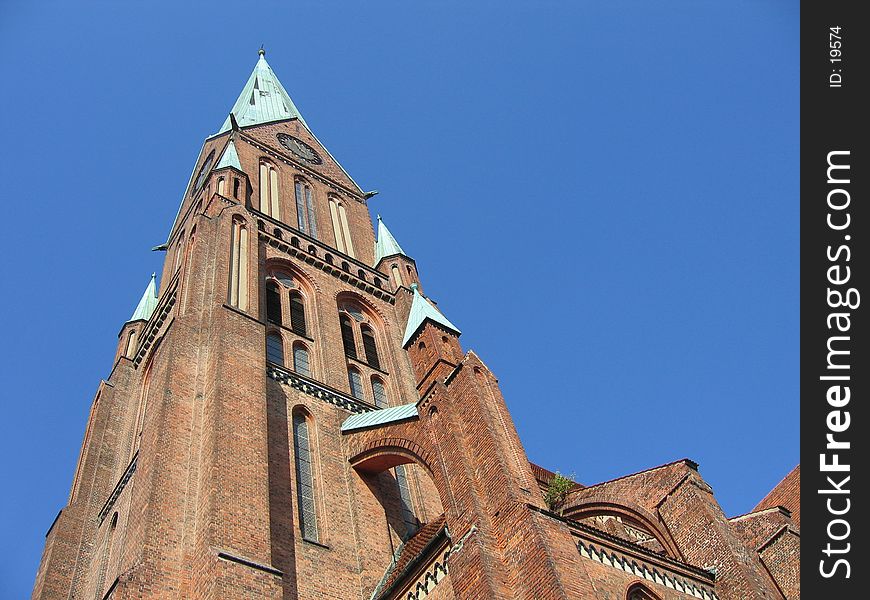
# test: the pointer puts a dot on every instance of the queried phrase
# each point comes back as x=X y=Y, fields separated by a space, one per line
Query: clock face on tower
x=300 y=148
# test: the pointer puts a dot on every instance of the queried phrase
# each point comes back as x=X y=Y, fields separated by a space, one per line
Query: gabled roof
x=379 y=417
x=409 y=554
x=787 y=493
x=386 y=244
x=263 y=99
x=148 y=303
x=421 y=310
x=230 y=158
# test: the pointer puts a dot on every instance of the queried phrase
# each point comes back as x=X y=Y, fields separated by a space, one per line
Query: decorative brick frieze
x=655 y=574
x=318 y=390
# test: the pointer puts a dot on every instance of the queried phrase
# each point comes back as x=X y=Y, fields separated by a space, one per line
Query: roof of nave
x=414 y=549
x=787 y=493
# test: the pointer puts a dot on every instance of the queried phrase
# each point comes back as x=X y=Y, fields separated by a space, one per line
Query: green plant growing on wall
x=557 y=491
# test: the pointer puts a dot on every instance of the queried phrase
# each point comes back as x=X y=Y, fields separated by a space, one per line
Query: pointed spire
x=230 y=158
x=263 y=99
x=387 y=244
x=421 y=310
x=148 y=303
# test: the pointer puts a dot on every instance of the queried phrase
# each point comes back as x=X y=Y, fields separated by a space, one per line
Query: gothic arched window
x=301 y=359
x=305 y=492
x=369 y=346
x=270 y=196
x=407 y=505
x=239 y=265
x=273 y=303
x=297 y=313
x=379 y=392
x=347 y=336
x=340 y=228
x=640 y=592
x=355 y=380
x=275 y=349
x=305 y=208
x=397 y=275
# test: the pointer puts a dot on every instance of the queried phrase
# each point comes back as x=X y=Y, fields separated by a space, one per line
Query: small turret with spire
x=128 y=337
x=393 y=261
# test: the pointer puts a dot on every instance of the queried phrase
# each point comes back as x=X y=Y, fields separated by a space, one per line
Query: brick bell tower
x=289 y=416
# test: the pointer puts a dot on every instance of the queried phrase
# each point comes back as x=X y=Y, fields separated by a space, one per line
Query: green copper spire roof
x=230 y=158
x=422 y=309
x=148 y=303
x=387 y=244
x=263 y=99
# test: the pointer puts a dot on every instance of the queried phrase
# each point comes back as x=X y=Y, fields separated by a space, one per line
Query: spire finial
x=261 y=51
x=414 y=287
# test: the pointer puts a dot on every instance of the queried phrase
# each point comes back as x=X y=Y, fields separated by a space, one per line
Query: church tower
x=290 y=416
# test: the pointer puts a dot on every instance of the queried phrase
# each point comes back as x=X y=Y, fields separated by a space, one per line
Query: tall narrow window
x=305 y=209
x=336 y=226
x=270 y=198
x=239 y=265
x=397 y=275
x=379 y=392
x=236 y=184
x=342 y=215
x=408 y=517
x=297 y=313
x=131 y=344
x=371 y=349
x=356 y=389
x=304 y=477
x=347 y=337
x=301 y=362
x=222 y=185
x=273 y=303
x=179 y=252
x=275 y=349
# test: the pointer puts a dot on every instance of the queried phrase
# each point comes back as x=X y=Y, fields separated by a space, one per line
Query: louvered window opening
x=370 y=348
x=275 y=349
x=379 y=393
x=347 y=337
x=407 y=506
x=304 y=478
x=301 y=362
x=297 y=314
x=356 y=389
x=273 y=303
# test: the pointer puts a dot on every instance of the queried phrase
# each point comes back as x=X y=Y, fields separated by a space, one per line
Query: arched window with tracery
x=409 y=519
x=275 y=349
x=270 y=195
x=305 y=208
x=301 y=359
x=305 y=480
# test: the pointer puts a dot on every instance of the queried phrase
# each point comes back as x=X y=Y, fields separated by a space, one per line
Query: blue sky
x=602 y=195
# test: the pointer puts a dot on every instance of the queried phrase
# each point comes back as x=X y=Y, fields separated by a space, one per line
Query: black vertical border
x=833 y=119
